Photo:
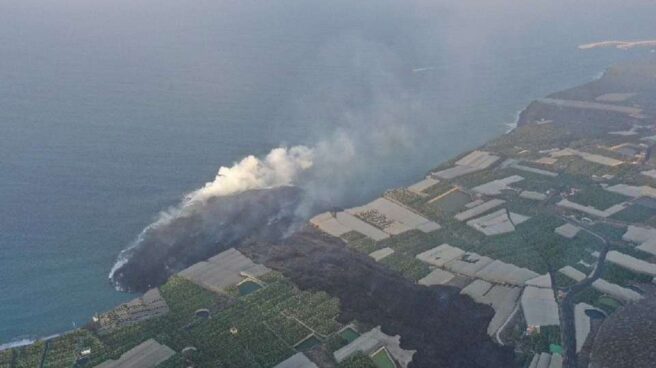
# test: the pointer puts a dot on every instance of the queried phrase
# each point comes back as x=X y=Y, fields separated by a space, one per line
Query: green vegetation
x=541 y=341
x=30 y=356
x=408 y=266
x=175 y=361
x=360 y=242
x=63 y=351
x=452 y=202
x=635 y=214
x=411 y=242
x=260 y=328
x=404 y=196
x=308 y=343
x=256 y=330
x=341 y=339
x=622 y=276
x=335 y=342
x=536 y=183
x=583 y=169
x=537 y=137
x=349 y=334
x=608 y=231
x=6 y=357
x=633 y=252
x=184 y=298
x=481 y=177
x=358 y=361
x=248 y=287
x=607 y=304
x=588 y=295
x=382 y=359
x=438 y=189
x=563 y=281
x=597 y=197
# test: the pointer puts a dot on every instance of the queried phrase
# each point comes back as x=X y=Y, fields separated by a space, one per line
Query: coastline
x=525 y=117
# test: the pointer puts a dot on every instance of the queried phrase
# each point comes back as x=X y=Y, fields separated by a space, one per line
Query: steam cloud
x=190 y=231
x=363 y=127
x=280 y=167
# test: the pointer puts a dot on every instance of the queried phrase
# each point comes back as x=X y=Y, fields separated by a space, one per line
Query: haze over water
x=111 y=111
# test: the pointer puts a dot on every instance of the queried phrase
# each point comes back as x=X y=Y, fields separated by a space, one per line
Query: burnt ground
x=446 y=329
x=204 y=229
x=627 y=337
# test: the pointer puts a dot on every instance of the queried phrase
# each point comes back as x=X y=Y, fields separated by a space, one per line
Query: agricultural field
x=597 y=197
x=635 y=214
x=257 y=330
x=261 y=329
x=63 y=351
x=358 y=361
x=532 y=244
x=408 y=266
x=451 y=202
x=6 y=357
x=537 y=137
x=29 y=356
x=360 y=242
x=621 y=276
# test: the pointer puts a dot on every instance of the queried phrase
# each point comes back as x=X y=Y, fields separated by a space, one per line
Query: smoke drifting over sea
x=362 y=119
x=256 y=198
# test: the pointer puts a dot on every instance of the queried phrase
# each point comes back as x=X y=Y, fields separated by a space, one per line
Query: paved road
x=567 y=295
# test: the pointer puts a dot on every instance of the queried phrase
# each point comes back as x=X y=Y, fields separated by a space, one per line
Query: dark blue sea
x=111 y=111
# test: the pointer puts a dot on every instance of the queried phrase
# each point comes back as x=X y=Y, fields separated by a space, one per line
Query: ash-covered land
x=537 y=249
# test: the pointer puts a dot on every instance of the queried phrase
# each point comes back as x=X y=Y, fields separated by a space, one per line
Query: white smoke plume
x=280 y=167
x=365 y=136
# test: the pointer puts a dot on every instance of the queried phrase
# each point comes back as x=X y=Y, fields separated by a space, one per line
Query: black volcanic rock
x=446 y=328
x=205 y=230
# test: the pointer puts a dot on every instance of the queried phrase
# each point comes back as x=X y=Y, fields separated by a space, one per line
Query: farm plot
x=393 y=218
x=503 y=300
x=150 y=305
x=451 y=201
x=533 y=238
x=145 y=355
x=223 y=270
x=636 y=213
x=408 y=266
x=184 y=298
x=497 y=223
x=423 y=185
x=479 y=209
x=590 y=210
x=631 y=263
x=633 y=190
x=495 y=187
x=360 y=242
x=6 y=357
x=63 y=351
x=472 y=162
x=30 y=356
x=596 y=197
x=255 y=330
x=370 y=343
x=591 y=157
x=260 y=329
x=539 y=306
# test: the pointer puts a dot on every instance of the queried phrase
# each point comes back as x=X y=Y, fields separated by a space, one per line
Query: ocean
x=110 y=111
